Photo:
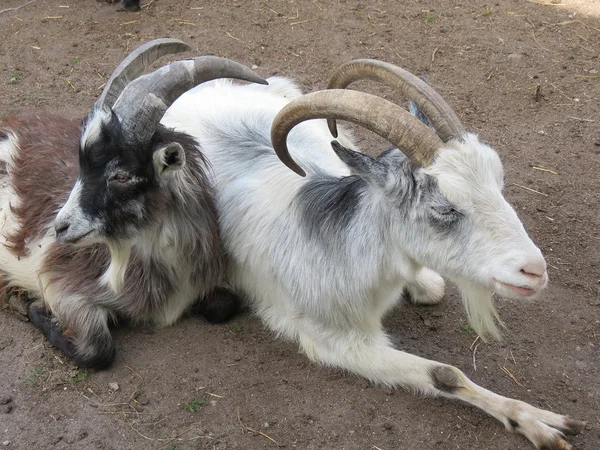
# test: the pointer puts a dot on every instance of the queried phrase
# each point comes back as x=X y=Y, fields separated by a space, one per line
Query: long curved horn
x=144 y=101
x=135 y=64
x=386 y=119
x=442 y=116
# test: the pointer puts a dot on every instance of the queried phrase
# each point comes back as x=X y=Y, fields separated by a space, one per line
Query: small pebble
x=254 y=67
x=6 y=443
x=7 y=408
x=5 y=398
x=113 y=386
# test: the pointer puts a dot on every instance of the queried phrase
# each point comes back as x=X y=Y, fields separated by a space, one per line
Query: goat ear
x=369 y=169
x=169 y=158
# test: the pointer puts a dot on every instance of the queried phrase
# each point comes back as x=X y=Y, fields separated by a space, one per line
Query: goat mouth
x=76 y=239
x=519 y=290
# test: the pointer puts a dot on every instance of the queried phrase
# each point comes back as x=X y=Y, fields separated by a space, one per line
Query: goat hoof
x=218 y=306
x=44 y=321
x=18 y=304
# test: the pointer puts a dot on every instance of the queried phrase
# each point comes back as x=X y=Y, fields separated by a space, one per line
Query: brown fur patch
x=42 y=174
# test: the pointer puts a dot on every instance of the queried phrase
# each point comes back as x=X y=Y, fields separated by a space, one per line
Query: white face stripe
x=68 y=210
x=93 y=127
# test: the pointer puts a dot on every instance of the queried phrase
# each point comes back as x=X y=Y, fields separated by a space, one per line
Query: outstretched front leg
x=370 y=355
x=87 y=346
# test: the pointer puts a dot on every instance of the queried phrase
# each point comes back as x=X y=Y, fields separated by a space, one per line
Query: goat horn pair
x=141 y=101
x=443 y=118
x=374 y=113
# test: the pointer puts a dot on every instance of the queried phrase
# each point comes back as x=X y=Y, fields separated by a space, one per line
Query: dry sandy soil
x=523 y=74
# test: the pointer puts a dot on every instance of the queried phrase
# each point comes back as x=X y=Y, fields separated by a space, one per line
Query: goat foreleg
x=371 y=356
x=82 y=333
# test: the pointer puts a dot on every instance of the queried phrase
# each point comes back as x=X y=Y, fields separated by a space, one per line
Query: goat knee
x=426 y=289
x=218 y=306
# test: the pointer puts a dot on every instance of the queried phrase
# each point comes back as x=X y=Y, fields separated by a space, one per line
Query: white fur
x=115 y=274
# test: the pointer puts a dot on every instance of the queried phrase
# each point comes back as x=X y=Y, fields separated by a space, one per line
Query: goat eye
x=120 y=178
x=445 y=210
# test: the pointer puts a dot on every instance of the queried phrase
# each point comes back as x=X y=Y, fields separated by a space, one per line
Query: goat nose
x=534 y=268
x=61 y=228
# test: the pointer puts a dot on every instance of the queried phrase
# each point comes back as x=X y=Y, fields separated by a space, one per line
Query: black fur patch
x=445 y=379
x=328 y=204
x=218 y=306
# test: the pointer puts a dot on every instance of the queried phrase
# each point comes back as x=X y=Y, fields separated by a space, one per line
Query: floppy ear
x=369 y=169
x=169 y=158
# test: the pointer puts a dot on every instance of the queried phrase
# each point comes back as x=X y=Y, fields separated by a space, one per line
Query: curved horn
x=386 y=119
x=442 y=116
x=135 y=64
x=144 y=101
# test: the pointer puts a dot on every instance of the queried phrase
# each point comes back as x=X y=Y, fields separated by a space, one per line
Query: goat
x=114 y=219
x=321 y=259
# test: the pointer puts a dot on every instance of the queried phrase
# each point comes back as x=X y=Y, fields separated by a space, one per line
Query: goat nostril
x=61 y=228
x=534 y=269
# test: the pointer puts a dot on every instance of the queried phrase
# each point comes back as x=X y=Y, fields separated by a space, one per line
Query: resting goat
x=140 y=210
x=321 y=259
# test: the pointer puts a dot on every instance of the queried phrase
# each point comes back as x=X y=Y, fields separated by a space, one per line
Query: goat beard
x=481 y=313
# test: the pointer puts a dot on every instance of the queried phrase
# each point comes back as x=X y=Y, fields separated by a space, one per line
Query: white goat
x=321 y=259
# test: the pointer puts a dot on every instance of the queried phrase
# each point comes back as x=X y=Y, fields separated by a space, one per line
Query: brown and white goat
x=114 y=219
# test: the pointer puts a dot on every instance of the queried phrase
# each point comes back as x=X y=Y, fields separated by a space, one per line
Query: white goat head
x=444 y=189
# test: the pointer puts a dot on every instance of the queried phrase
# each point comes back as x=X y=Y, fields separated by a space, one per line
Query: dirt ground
x=525 y=75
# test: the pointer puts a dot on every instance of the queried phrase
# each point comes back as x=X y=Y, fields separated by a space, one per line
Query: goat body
x=321 y=259
x=175 y=260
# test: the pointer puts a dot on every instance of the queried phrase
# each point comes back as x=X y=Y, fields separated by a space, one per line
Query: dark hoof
x=99 y=354
x=572 y=427
x=129 y=5
x=18 y=304
x=44 y=321
x=218 y=306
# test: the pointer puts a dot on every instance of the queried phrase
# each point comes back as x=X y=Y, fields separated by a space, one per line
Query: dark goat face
x=119 y=183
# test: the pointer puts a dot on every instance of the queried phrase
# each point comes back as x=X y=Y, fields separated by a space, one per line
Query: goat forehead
x=92 y=128
x=468 y=172
x=104 y=157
